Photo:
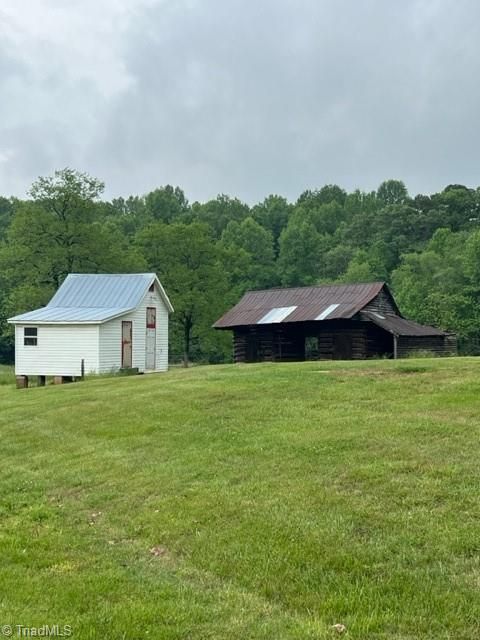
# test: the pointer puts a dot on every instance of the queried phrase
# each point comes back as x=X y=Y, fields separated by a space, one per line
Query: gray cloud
x=241 y=97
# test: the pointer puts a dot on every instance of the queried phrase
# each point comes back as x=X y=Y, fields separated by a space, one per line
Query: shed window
x=30 y=336
x=151 y=317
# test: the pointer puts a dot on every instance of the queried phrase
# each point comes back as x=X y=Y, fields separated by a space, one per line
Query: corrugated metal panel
x=330 y=309
x=310 y=302
x=87 y=297
x=70 y=314
x=276 y=315
x=401 y=326
x=102 y=290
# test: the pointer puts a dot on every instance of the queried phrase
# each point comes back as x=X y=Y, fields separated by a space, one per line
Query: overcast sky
x=244 y=97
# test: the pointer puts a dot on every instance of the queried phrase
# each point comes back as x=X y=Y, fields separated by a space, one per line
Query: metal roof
x=312 y=303
x=400 y=326
x=94 y=298
x=278 y=314
x=67 y=315
x=102 y=290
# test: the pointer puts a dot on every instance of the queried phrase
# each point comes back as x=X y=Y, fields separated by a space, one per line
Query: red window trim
x=150 y=325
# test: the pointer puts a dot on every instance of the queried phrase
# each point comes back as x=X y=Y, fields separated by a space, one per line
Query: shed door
x=126 y=344
x=151 y=339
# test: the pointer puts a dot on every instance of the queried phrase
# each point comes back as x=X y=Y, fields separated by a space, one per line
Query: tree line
x=208 y=254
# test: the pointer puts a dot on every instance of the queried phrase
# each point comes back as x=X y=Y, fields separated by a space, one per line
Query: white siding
x=111 y=336
x=59 y=351
x=110 y=356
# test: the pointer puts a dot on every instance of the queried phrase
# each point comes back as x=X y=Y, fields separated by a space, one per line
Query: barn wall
x=342 y=340
x=436 y=345
x=111 y=336
x=382 y=303
x=336 y=339
x=268 y=344
x=59 y=351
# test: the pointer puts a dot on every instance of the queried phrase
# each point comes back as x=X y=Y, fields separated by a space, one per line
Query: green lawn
x=260 y=501
x=7 y=376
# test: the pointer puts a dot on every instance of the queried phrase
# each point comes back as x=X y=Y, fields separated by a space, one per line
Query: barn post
x=395 y=347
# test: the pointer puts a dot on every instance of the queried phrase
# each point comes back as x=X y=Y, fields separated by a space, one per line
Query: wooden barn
x=340 y=322
x=95 y=323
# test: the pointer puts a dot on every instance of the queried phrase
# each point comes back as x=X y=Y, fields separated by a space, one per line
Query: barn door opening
x=252 y=349
x=342 y=347
x=151 y=339
x=126 y=344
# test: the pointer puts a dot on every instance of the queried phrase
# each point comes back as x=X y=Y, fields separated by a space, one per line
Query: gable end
x=383 y=303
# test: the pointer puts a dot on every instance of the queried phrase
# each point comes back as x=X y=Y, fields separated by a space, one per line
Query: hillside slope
x=261 y=501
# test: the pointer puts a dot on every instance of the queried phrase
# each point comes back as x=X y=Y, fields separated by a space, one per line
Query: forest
x=426 y=247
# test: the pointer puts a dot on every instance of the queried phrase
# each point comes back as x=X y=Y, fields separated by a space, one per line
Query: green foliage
x=252 y=245
x=273 y=215
x=129 y=214
x=392 y=192
x=300 y=253
x=209 y=254
x=326 y=195
x=439 y=285
x=61 y=230
x=359 y=269
x=219 y=212
x=167 y=204
x=188 y=265
x=6 y=212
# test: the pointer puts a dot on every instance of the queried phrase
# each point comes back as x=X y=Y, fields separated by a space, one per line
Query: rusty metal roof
x=325 y=302
x=400 y=326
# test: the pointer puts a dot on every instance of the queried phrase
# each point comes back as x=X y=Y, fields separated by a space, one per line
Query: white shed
x=101 y=322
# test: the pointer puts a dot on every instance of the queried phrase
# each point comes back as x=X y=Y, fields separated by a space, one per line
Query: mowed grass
x=245 y=502
x=7 y=376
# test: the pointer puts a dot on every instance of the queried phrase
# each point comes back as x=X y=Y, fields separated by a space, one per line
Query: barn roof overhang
x=400 y=326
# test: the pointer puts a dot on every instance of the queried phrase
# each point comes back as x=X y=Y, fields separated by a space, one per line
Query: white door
x=151 y=339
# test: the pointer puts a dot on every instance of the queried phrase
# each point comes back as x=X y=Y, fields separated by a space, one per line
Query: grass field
x=7 y=376
x=261 y=501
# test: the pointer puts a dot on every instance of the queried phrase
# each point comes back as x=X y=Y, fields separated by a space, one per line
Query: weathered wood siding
x=382 y=303
x=59 y=350
x=352 y=338
x=340 y=339
x=336 y=340
x=268 y=344
x=436 y=345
